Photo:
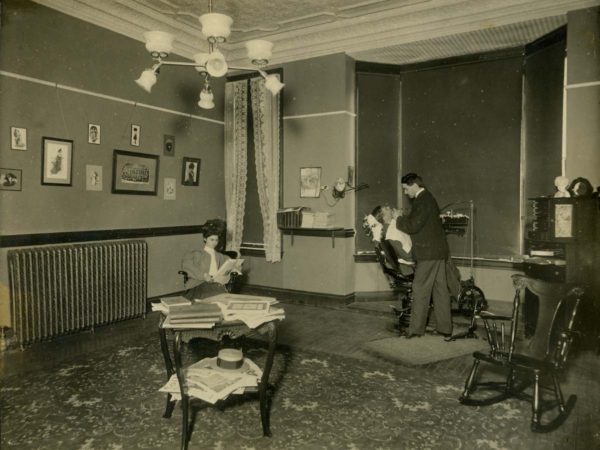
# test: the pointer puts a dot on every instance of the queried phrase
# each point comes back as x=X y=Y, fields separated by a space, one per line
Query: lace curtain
x=265 y=114
x=236 y=160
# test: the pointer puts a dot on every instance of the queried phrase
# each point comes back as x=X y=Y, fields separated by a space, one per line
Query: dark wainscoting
x=23 y=240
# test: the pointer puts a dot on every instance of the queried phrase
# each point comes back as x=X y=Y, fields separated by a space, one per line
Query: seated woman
x=202 y=265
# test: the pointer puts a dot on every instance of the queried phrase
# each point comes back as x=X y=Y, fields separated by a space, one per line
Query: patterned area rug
x=320 y=401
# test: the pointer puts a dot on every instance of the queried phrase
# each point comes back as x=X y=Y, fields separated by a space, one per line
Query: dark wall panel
x=461 y=130
x=378 y=145
x=543 y=105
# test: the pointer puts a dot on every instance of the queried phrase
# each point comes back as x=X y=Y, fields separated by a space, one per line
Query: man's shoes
x=408 y=335
x=441 y=334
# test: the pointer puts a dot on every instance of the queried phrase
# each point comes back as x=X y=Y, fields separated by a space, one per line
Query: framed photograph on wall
x=169 y=145
x=10 y=179
x=190 y=175
x=134 y=173
x=57 y=161
x=135 y=135
x=93 y=133
x=310 y=181
x=18 y=138
x=93 y=178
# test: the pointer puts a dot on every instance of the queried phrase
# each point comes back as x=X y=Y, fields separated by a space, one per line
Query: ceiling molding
x=384 y=31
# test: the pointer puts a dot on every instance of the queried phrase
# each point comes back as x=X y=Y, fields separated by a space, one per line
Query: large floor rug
x=110 y=400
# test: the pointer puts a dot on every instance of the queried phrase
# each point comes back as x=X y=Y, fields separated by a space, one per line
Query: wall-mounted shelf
x=321 y=232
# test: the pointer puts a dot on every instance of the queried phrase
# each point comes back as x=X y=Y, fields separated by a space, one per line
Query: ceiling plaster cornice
x=357 y=28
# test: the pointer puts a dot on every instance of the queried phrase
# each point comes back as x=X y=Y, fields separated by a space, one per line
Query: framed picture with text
x=57 y=161
x=134 y=173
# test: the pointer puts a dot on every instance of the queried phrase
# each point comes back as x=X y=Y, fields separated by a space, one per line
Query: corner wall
x=318 y=121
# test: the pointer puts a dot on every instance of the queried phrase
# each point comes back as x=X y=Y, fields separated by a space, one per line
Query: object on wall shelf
x=216 y=28
x=320 y=232
x=288 y=218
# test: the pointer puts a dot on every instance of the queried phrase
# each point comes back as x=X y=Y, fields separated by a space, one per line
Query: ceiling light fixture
x=216 y=28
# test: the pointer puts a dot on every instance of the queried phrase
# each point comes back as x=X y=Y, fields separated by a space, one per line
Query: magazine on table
x=207 y=381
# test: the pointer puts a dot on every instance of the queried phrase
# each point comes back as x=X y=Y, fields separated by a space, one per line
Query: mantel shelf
x=320 y=232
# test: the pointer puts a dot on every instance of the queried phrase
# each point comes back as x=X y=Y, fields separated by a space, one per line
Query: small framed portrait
x=169 y=189
x=93 y=178
x=190 y=175
x=310 y=181
x=93 y=133
x=57 y=161
x=134 y=173
x=18 y=138
x=169 y=145
x=10 y=179
x=135 y=135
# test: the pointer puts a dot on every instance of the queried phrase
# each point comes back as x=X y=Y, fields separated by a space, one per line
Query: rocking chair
x=529 y=362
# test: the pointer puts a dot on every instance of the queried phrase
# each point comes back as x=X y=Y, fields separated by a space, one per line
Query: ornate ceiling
x=384 y=31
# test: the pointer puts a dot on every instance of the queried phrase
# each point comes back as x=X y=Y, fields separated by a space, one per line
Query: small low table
x=222 y=329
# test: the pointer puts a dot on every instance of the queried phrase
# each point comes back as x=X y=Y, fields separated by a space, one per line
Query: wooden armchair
x=529 y=362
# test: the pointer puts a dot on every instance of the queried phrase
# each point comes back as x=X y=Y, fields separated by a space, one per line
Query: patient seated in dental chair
x=377 y=228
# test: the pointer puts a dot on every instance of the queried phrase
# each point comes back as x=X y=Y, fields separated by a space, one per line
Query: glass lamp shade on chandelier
x=216 y=28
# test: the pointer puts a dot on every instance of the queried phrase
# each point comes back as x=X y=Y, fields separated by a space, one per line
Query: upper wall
x=582 y=154
x=57 y=75
x=31 y=47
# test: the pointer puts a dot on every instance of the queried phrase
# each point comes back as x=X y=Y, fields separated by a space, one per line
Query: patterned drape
x=236 y=160
x=265 y=113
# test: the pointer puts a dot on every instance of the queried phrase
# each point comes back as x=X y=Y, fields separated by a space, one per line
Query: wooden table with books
x=213 y=379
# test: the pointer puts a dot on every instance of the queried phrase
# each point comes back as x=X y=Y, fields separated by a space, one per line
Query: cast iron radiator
x=62 y=289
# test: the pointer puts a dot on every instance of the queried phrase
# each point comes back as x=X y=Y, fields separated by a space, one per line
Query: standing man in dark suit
x=430 y=250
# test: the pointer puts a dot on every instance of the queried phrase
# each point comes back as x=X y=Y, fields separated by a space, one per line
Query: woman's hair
x=213 y=227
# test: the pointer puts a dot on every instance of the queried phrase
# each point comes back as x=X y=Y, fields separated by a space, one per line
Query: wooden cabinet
x=560 y=239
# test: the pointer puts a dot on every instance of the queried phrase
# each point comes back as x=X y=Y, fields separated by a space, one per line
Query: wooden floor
x=341 y=330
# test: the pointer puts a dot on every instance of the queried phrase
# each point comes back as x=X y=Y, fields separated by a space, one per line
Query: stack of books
x=167 y=302
x=317 y=219
x=209 y=382
x=197 y=315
